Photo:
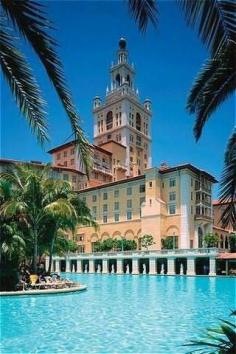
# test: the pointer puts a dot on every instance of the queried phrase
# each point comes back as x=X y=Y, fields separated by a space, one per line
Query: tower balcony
x=102 y=169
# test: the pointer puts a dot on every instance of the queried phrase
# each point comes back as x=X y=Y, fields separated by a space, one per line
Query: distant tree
x=168 y=243
x=211 y=240
x=147 y=241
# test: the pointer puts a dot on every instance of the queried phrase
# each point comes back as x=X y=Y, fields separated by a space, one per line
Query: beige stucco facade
x=155 y=203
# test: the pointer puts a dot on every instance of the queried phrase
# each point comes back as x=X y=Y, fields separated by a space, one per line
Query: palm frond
x=23 y=85
x=215 y=82
x=143 y=11
x=30 y=19
x=228 y=184
x=214 y=19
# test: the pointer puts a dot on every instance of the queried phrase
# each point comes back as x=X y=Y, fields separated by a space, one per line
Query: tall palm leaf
x=228 y=184
x=23 y=85
x=30 y=20
x=143 y=11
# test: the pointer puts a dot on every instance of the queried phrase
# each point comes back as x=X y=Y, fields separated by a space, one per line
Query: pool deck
x=44 y=291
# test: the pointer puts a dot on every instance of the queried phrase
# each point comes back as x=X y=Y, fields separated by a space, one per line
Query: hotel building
x=127 y=196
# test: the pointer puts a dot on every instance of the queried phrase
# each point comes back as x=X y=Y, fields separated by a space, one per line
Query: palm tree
x=215 y=21
x=39 y=202
x=28 y=18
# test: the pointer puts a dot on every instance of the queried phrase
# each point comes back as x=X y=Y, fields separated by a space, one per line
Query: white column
x=105 y=266
x=91 y=266
x=119 y=268
x=67 y=265
x=170 y=266
x=47 y=263
x=152 y=266
x=57 y=265
x=79 y=266
x=212 y=269
x=135 y=266
x=191 y=266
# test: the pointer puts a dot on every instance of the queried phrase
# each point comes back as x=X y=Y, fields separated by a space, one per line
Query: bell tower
x=122 y=118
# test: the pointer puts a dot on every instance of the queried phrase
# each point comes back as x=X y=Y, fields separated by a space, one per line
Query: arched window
x=128 y=79
x=118 y=80
x=200 y=238
x=138 y=122
x=109 y=120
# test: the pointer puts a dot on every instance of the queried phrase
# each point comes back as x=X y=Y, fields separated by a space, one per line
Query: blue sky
x=166 y=58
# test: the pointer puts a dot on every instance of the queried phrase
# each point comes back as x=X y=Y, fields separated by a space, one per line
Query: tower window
x=138 y=122
x=109 y=120
x=118 y=80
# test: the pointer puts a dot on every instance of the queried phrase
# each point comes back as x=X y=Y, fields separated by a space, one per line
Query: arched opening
x=181 y=266
x=162 y=266
x=138 y=122
x=143 y=265
x=200 y=238
x=112 y=266
x=127 y=266
x=128 y=79
x=62 y=265
x=98 y=266
x=85 y=265
x=109 y=120
x=117 y=80
x=202 y=266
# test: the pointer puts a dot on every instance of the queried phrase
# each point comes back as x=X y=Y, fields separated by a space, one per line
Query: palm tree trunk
x=35 y=255
x=51 y=252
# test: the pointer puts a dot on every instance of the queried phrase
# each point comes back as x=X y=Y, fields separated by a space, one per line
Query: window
x=131 y=149
x=172 y=182
x=94 y=198
x=116 y=205
x=163 y=185
x=142 y=188
x=65 y=163
x=142 y=200
x=81 y=249
x=129 y=203
x=80 y=237
x=58 y=156
x=150 y=184
x=104 y=219
x=172 y=196
x=131 y=138
x=172 y=209
x=191 y=209
x=191 y=195
x=129 y=191
x=72 y=161
x=138 y=121
x=72 y=151
x=138 y=140
x=117 y=217
x=104 y=208
x=109 y=120
x=65 y=177
x=65 y=153
x=105 y=196
x=116 y=193
x=129 y=215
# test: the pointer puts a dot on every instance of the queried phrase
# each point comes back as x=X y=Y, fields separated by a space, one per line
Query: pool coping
x=44 y=291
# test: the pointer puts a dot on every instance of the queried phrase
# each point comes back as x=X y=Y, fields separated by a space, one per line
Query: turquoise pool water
x=117 y=314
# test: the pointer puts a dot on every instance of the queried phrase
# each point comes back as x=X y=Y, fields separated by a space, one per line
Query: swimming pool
x=117 y=314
